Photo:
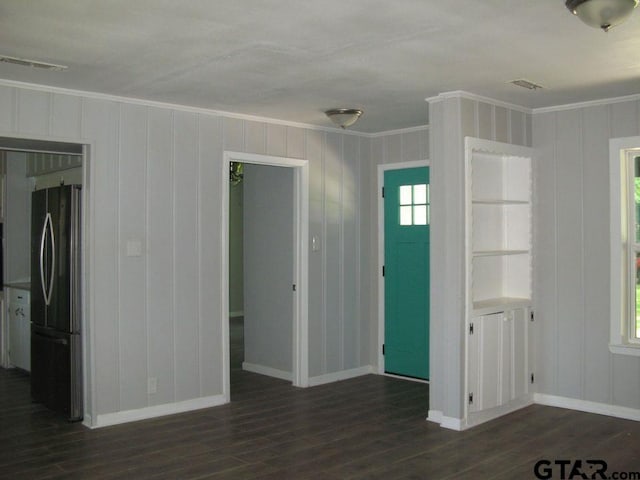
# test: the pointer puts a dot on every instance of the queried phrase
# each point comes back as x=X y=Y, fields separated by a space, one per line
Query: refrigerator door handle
x=43 y=237
x=53 y=260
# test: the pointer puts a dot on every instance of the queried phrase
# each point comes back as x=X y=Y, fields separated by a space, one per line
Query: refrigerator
x=56 y=350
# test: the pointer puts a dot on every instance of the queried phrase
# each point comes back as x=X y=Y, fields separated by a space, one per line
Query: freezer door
x=56 y=379
x=40 y=257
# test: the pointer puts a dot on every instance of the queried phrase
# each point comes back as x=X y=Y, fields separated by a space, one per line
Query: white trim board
x=587 y=406
x=342 y=375
x=300 y=340
x=381 y=169
x=126 y=416
x=268 y=371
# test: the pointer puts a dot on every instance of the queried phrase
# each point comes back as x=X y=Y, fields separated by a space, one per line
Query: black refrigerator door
x=40 y=257
x=55 y=371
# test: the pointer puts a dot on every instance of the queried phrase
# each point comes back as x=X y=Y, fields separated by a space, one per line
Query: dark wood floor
x=368 y=427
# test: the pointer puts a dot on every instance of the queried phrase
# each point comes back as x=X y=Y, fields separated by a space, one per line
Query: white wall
x=572 y=254
x=17 y=219
x=268 y=264
x=154 y=177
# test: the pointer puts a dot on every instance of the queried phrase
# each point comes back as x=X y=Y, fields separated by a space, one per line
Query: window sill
x=625 y=349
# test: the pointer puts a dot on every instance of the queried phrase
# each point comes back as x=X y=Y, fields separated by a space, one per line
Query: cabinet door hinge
x=531 y=315
x=383 y=348
x=471 y=329
x=383 y=271
x=532 y=378
x=294 y=287
x=382 y=192
x=471 y=398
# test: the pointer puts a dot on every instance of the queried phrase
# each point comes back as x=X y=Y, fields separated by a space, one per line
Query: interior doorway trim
x=381 y=316
x=300 y=364
x=86 y=146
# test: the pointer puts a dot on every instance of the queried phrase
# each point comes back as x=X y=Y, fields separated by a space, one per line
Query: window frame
x=623 y=339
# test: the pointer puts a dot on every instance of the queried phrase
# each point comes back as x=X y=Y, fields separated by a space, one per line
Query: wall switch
x=152 y=385
x=134 y=248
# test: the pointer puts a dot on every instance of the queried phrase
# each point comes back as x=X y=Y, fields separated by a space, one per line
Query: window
x=414 y=205
x=625 y=245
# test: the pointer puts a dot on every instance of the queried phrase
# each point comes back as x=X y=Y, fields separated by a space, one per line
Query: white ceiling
x=293 y=59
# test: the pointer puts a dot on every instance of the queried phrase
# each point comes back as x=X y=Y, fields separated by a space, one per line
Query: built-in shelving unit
x=499 y=277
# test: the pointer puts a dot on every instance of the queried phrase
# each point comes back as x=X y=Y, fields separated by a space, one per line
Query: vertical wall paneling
x=153 y=261
x=34 y=110
x=131 y=279
x=210 y=196
x=468 y=117
x=517 y=127
x=233 y=130
x=186 y=267
x=597 y=360
x=350 y=260
x=296 y=142
x=332 y=205
x=159 y=248
x=485 y=121
x=101 y=123
x=392 y=148
x=317 y=314
x=501 y=124
x=572 y=301
x=66 y=116
x=545 y=240
x=570 y=254
x=255 y=137
x=276 y=140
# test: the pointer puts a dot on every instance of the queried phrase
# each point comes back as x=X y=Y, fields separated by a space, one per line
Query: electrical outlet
x=152 y=385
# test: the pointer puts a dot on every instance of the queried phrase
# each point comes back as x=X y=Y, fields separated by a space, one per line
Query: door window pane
x=405 y=195
x=420 y=215
x=420 y=194
x=405 y=215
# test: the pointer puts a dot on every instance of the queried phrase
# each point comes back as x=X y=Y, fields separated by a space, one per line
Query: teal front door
x=406 y=272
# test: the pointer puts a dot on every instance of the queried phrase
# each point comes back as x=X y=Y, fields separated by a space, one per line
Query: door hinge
x=532 y=378
x=531 y=315
x=471 y=329
x=382 y=192
x=471 y=398
x=294 y=287
x=383 y=271
x=383 y=348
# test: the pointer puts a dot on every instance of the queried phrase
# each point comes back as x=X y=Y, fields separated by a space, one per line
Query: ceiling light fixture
x=32 y=63
x=602 y=14
x=344 y=117
x=521 y=82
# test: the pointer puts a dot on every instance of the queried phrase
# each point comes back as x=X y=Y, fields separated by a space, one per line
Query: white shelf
x=499 y=201
x=499 y=253
x=493 y=305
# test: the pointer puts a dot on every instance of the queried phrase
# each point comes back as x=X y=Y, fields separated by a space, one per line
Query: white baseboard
x=236 y=314
x=436 y=416
x=342 y=375
x=586 y=406
x=268 y=371
x=125 y=416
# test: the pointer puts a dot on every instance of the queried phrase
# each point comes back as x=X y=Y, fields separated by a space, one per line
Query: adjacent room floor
x=368 y=427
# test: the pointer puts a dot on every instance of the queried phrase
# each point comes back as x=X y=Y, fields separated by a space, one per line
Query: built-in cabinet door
x=497 y=359
x=19 y=329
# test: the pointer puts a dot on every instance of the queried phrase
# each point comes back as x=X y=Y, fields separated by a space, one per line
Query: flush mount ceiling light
x=602 y=14
x=344 y=117
x=32 y=63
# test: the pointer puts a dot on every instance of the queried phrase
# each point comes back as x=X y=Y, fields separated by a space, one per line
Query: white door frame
x=300 y=364
x=87 y=272
x=381 y=317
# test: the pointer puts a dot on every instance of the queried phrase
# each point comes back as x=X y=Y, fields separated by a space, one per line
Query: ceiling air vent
x=32 y=63
x=521 y=82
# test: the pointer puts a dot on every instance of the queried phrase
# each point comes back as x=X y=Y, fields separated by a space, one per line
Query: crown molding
x=178 y=107
x=419 y=128
x=479 y=98
x=591 y=103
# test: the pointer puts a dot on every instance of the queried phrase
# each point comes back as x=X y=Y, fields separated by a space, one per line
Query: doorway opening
x=403 y=254
x=275 y=269
x=46 y=341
